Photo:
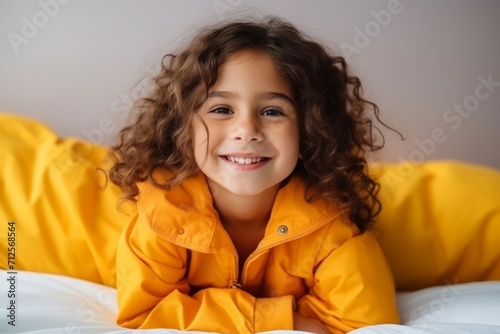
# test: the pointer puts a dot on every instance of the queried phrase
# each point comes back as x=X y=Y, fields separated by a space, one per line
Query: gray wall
x=77 y=64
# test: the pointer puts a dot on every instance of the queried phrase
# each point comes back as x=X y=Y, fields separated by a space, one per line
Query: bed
x=48 y=303
x=440 y=231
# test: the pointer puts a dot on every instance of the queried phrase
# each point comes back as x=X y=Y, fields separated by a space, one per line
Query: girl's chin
x=234 y=186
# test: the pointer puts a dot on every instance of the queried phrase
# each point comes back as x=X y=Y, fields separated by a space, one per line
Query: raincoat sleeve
x=353 y=287
x=153 y=292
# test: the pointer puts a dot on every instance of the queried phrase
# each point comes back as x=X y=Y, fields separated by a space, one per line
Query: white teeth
x=244 y=161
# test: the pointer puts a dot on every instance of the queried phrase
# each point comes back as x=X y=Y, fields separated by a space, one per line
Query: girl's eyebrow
x=262 y=96
x=276 y=95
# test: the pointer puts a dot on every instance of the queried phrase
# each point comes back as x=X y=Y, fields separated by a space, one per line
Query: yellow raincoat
x=177 y=267
x=440 y=225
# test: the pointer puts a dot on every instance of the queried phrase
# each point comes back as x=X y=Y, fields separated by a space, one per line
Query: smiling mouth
x=244 y=160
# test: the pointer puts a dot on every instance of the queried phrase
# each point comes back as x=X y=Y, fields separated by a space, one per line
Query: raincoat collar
x=185 y=215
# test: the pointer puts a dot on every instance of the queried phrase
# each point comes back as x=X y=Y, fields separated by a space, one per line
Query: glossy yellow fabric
x=178 y=267
x=440 y=222
x=64 y=213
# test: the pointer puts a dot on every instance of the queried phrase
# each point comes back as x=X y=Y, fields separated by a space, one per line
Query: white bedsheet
x=47 y=303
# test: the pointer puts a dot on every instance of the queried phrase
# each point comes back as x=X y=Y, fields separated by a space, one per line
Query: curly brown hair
x=336 y=128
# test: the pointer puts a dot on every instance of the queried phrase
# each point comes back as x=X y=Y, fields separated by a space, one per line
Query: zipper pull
x=236 y=285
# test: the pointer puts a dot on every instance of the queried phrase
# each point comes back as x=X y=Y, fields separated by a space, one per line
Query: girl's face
x=253 y=131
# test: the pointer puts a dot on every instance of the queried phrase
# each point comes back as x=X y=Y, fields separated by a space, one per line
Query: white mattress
x=47 y=303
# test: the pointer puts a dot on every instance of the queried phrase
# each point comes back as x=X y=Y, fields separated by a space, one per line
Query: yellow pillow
x=54 y=194
x=440 y=223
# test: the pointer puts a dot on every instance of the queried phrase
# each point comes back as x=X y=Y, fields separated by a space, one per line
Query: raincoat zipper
x=236 y=283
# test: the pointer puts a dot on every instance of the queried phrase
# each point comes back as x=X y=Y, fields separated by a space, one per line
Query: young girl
x=247 y=165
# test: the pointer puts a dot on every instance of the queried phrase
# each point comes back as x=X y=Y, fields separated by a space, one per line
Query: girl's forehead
x=251 y=65
x=246 y=54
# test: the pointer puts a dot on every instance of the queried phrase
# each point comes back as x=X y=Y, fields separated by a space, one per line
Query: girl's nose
x=247 y=129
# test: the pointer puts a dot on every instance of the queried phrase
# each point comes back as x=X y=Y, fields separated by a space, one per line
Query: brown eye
x=221 y=110
x=272 y=112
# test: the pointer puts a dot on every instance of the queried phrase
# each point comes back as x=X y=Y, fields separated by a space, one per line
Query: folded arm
x=153 y=292
x=353 y=288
